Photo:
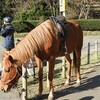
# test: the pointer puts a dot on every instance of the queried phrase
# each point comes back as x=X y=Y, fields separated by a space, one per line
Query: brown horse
x=44 y=43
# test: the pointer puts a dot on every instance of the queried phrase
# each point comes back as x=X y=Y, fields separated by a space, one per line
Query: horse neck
x=34 y=42
x=23 y=51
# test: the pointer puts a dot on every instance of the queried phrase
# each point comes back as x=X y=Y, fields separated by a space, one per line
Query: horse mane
x=33 y=41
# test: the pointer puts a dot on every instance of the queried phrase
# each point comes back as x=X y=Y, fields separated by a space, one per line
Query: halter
x=17 y=75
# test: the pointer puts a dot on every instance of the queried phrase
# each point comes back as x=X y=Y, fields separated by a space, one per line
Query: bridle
x=16 y=76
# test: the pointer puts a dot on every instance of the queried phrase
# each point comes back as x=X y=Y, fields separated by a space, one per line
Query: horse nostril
x=2 y=89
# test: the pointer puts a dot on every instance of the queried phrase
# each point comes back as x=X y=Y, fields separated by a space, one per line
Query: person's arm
x=3 y=32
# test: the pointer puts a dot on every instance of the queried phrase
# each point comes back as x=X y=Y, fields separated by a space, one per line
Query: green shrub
x=35 y=14
x=23 y=15
x=90 y=24
x=28 y=25
x=24 y=26
x=35 y=22
x=19 y=26
x=31 y=15
x=28 y=15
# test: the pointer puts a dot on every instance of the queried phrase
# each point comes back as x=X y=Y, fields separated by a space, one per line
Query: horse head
x=10 y=74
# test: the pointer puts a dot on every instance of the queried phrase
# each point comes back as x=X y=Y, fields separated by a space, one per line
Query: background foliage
x=41 y=9
x=28 y=13
x=26 y=26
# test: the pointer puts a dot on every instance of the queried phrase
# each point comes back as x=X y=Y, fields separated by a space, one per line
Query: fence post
x=88 y=54
x=63 y=67
x=47 y=74
x=96 y=49
x=24 y=82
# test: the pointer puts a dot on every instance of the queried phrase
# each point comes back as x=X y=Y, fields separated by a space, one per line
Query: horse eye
x=7 y=70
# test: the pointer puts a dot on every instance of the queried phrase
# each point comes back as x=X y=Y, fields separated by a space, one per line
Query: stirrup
x=66 y=50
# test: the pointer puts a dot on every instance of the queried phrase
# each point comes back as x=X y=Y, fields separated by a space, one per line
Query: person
x=62 y=21
x=7 y=32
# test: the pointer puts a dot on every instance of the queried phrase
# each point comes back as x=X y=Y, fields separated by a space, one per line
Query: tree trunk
x=87 y=12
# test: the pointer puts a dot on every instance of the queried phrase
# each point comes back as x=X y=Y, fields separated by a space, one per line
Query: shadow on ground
x=91 y=83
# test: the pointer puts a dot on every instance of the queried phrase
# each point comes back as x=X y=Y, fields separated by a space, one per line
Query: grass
x=94 y=33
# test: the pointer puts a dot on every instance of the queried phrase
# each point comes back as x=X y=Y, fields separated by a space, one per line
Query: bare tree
x=54 y=6
x=86 y=6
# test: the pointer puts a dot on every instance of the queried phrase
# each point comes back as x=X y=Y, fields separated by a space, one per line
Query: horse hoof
x=78 y=82
x=50 y=98
x=67 y=83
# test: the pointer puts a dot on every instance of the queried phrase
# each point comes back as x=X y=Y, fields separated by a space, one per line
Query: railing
x=90 y=53
x=90 y=50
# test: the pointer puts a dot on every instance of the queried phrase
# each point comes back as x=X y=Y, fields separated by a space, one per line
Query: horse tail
x=74 y=60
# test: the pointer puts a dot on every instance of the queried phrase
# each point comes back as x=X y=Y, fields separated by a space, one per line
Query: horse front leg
x=68 y=60
x=40 y=74
x=51 y=64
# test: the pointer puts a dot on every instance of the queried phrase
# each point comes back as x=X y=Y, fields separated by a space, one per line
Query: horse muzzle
x=3 y=87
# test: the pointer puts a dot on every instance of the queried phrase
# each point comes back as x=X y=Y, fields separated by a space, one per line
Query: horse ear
x=11 y=59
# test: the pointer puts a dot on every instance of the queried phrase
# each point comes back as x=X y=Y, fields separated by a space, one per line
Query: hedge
x=28 y=25
x=90 y=24
x=24 y=26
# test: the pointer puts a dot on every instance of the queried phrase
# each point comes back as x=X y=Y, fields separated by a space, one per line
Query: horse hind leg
x=76 y=64
x=68 y=61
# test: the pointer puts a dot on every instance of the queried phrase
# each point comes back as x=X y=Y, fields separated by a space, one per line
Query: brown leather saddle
x=61 y=26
